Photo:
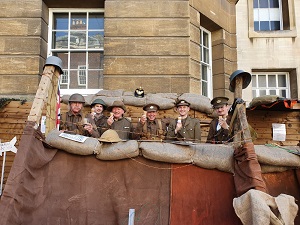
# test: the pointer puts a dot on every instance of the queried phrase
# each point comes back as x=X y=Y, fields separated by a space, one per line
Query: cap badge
x=219 y=101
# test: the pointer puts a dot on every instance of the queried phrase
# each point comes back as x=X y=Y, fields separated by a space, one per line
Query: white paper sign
x=8 y=146
x=74 y=137
x=279 y=132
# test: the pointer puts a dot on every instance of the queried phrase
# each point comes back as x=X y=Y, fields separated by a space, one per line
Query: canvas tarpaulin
x=46 y=186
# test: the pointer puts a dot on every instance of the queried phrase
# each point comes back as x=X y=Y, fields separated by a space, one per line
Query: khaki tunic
x=99 y=125
x=220 y=136
x=151 y=130
x=72 y=122
x=190 y=131
x=123 y=127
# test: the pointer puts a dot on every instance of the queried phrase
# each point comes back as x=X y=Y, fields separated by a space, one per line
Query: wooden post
x=48 y=82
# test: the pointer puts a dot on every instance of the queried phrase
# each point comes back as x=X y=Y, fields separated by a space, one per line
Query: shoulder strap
x=159 y=124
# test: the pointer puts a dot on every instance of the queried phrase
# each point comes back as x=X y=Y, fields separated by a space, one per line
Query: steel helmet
x=98 y=101
x=54 y=61
x=246 y=79
x=110 y=136
x=76 y=98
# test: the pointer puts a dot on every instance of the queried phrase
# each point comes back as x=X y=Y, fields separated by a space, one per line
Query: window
x=77 y=37
x=271 y=84
x=271 y=18
x=64 y=77
x=267 y=15
x=82 y=75
x=205 y=61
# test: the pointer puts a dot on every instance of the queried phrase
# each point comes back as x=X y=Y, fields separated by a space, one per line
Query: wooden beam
x=42 y=94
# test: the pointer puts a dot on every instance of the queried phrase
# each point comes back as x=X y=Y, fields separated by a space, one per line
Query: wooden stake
x=40 y=99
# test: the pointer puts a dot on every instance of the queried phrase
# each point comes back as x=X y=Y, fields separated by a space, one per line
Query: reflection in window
x=271 y=84
x=77 y=37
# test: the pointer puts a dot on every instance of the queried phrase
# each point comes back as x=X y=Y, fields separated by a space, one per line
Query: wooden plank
x=41 y=95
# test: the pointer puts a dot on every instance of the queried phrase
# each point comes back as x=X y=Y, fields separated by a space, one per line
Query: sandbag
x=266 y=99
x=162 y=102
x=88 y=147
x=211 y=156
x=119 y=150
x=277 y=156
x=198 y=102
x=167 y=152
x=132 y=100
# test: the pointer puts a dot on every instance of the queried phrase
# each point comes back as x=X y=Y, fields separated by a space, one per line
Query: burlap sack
x=161 y=101
x=166 y=152
x=88 y=147
x=119 y=150
x=211 y=156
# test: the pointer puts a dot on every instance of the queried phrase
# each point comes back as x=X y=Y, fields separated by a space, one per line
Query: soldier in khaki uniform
x=184 y=128
x=219 y=127
x=96 y=120
x=71 y=121
x=118 y=122
x=149 y=127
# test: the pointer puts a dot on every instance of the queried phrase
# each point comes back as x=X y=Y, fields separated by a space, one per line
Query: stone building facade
x=269 y=48
x=182 y=46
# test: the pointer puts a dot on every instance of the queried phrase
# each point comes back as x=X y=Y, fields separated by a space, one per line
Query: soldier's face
x=118 y=112
x=151 y=115
x=76 y=107
x=98 y=108
x=183 y=110
x=223 y=110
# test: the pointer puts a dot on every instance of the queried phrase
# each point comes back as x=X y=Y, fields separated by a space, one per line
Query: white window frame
x=208 y=64
x=64 y=78
x=268 y=15
x=81 y=75
x=50 y=51
x=257 y=88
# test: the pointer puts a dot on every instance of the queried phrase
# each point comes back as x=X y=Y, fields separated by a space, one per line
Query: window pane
x=274 y=4
x=282 y=93
x=60 y=40
x=77 y=39
x=78 y=21
x=205 y=39
x=96 y=21
x=204 y=72
x=204 y=89
x=275 y=25
x=77 y=58
x=95 y=60
x=281 y=81
x=272 y=81
x=256 y=26
x=206 y=55
x=263 y=4
x=253 y=80
x=272 y=92
x=262 y=92
x=61 y=21
x=95 y=79
x=262 y=81
x=264 y=25
x=254 y=94
x=96 y=39
x=255 y=3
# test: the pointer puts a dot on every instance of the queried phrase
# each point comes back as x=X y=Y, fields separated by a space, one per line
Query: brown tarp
x=247 y=170
x=46 y=186
x=52 y=187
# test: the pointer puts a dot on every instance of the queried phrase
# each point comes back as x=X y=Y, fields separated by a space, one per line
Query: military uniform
x=218 y=136
x=151 y=130
x=99 y=125
x=123 y=127
x=71 y=122
x=216 y=133
x=190 y=130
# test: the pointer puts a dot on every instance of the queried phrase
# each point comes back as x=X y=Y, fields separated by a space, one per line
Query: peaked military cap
x=219 y=102
x=151 y=107
x=182 y=102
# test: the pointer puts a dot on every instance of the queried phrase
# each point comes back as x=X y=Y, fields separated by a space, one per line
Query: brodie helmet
x=76 y=98
x=110 y=136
